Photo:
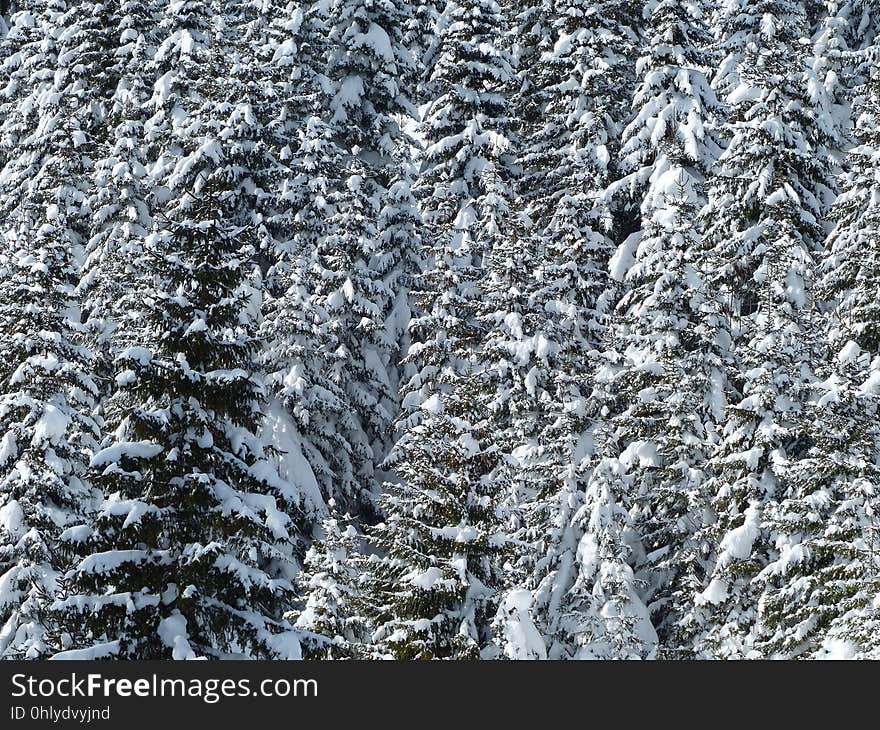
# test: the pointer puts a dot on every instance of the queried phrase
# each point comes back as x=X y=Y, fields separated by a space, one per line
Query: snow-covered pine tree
x=399 y=264
x=434 y=592
x=54 y=93
x=531 y=37
x=120 y=199
x=301 y=141
x=46 y=402
x=518 y=359
x=184 y=29
x=863 y=23
x=545 y=539
x=666 y=394
x=467 y=157
x=300 y=365
x=18 y=42
x=569 y=104
x=334 y=618
x=421 y=37
x=345 y=288
x=336 y=329
x=551 y=344
x=464 y=190
x=764 y=225
x=192 y=552
x=852 y=262
x=345 y=296
x=258 y=43
x=832 y=72
x=372 y=74
x=665 y=384
x=294 y=71
x=825 y=569
x=817 y=12
x=763 y=90
x=47 y=392
x=576 y=79
x=817 y=596
x=674 y=106
x=602 y=615
x=570 y=114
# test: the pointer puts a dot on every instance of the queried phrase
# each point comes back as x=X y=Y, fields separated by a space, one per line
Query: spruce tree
x=852 y=263
x=667 y=339
x=346 y=284
x=569 y=105
x=465 y=171
x=46 y=404
x=120 y=199
x=334 y=618
x=824 y=571
x=47 y=388
x=667 y=394
x=817 y=594
x=602 y=615
x=863 y=23
x=435 y=590
x=764 y=225
x=192 y=551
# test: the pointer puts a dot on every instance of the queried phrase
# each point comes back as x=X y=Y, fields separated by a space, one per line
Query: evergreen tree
x=119 y=196
x=573 y=105
x=852 y=263
x=667 y=337
x=545 y=347
x=192 y=551
x=824 y=568
x=674 y=104
x=434 y=591
x=602 y=614
x=764 y=226
x=294 y=71
x=371 y=74
x=46 y=404
x=47 y=391
x=667 y=392
x=347 y=283
x=335 y=616
x=465 y=174
x=296 y=357
x=863 y=23
x=817 y=594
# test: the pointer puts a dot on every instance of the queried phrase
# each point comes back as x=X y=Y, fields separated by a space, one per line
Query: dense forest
x=515 y=329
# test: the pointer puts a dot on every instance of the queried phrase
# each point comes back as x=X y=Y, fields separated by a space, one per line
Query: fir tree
x=816 y=594
x=192 y=551
x=47 y=391
x=667 y=393
x=825 y=528
x=120 y=200
x=852 y=263
x=602 y=615
x=46 y=404
x=346 y=285
x=335 y=615
x=465 y=174
x=434 y=591
x=665 y=384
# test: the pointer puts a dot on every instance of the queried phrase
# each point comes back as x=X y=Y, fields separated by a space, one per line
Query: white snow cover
x=172 y=632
